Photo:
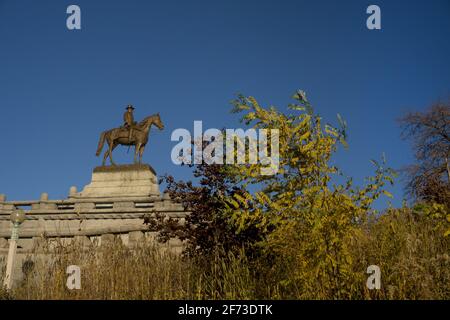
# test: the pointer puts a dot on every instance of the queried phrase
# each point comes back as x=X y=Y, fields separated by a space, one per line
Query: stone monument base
x=137 y=180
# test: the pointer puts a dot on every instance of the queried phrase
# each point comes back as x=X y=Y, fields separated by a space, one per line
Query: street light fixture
x=17 y=217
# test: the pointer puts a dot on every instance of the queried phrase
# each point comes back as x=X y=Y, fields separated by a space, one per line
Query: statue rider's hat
x=130 y=107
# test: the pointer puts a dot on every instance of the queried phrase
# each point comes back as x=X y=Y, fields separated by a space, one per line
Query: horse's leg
x=136 y=150
x=112 y=145
x=106 y=154
x=141 y=152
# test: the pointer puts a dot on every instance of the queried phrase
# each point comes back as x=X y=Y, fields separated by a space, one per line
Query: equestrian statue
x=130 y=134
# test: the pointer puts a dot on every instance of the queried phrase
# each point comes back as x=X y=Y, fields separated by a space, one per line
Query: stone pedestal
x=122 y=181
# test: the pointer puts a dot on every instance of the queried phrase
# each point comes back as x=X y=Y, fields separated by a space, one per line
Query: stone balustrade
x=112 y=207
x=75 y=217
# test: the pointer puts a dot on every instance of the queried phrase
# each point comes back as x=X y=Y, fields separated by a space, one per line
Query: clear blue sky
x=187 y=59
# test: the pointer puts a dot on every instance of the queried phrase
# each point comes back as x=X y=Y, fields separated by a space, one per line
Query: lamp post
x=17 y=217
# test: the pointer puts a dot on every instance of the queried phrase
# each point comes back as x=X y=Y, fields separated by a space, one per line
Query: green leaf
x=387 y=193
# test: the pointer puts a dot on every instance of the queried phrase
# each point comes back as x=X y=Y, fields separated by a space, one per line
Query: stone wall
x=111 y=207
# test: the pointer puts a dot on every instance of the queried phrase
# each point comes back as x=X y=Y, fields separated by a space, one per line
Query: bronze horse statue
x=120 y=136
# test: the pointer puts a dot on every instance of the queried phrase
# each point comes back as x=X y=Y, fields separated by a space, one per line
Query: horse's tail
x=101 y=143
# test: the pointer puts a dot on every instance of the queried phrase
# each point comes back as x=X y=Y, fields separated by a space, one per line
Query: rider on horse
x=137 y=135
x=129 y=122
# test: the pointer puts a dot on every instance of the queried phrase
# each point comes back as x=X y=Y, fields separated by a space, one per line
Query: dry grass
x=411 y=251
x=114 y=271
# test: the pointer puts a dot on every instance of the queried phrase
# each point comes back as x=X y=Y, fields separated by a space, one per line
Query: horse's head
x=157 y=121
x=153 y=119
